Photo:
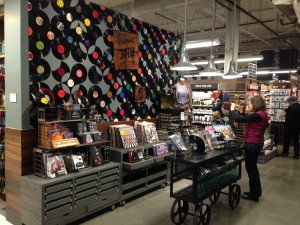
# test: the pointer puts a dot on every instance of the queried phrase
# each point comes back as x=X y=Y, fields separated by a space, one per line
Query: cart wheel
x=112 y=208
x=122 y=203
x=202 y=215
x=234 y=195
x=214 y=198
x=163 y=185
x=179 y=211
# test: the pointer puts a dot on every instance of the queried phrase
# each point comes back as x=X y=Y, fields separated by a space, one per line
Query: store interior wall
x=109 y=91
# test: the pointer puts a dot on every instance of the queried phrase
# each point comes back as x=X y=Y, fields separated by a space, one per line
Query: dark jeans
x=287 y=141
x=251 y=157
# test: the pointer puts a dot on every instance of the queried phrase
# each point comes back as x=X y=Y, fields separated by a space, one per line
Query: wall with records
x=71 y=58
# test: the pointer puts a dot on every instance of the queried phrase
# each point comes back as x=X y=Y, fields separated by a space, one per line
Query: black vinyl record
x=171 y=82
x=94 y=95
x=39 y=21
x=79 y=95
x=96 y=16
x=108 y=77
x=109 y=18
x=39 y=70
x=61 y=73
x=61 y=93
x=33 y=27
x=78 y=31
x=95 y=55
x=78 y=73
x=37 y=4
x=39 y=45
x=60 y=26
x=94 y=34
x=78 y=51
x=60 y=49
x=61 y=6
x=107 y=59
x=153 y=111
x=95 y=75
x=42 y=91
x=108 y=38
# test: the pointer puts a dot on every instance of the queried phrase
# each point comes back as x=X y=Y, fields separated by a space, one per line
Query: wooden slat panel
x=19 y=146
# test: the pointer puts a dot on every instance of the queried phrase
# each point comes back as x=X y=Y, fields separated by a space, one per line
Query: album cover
x=161 y=149
x=77 y=162
x=135 y=155
x=96 y=156
x=177 y=142
x=55 y=165
x=106 y=153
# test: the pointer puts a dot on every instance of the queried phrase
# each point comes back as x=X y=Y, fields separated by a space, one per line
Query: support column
x=18 y=139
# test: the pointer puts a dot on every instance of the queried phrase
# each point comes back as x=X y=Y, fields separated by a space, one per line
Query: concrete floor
x=279 y=204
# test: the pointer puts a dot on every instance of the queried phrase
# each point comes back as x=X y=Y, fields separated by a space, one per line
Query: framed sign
x=140 y=93
x=65 y=143
x=126 y=47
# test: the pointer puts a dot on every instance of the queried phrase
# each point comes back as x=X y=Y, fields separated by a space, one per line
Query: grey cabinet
x=65 y=199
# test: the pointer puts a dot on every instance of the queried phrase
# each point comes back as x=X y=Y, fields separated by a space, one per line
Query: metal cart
x=209 y=173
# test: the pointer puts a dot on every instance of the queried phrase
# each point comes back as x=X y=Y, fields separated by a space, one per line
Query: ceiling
x=263 y=25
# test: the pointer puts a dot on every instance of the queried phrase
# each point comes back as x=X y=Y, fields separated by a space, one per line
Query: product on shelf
x=55 y=165
x=123 y=136
x=147 y=132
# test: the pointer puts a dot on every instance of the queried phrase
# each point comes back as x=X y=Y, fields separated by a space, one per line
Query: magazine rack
x=209 y=173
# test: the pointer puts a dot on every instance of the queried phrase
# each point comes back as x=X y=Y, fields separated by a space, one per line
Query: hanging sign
x=126 y=50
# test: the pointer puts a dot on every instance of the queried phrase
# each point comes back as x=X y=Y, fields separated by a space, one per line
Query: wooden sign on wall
x=140 y=93
x=126 y=50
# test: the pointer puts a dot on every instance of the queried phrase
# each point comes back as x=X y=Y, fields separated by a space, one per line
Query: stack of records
x=55 y=165
x=123 y=136
x=147 y=132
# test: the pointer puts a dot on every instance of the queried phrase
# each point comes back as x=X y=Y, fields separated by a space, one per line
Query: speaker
x=268 y=60
x=288 y=59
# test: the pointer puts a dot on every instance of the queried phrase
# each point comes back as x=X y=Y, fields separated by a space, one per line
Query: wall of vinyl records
x=71 y=58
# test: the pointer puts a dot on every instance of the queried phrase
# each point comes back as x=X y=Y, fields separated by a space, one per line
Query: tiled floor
x=279 y=204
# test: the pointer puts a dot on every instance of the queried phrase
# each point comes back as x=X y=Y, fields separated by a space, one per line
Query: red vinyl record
x=95 y=55
x=60 y=48
x=61 y=93
x=78 y=73
x=62 y=73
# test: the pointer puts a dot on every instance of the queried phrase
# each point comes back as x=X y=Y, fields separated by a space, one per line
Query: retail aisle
x=278 y=205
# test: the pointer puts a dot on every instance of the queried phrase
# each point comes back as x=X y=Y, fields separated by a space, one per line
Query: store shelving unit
x=68 y=198
x=145 y=174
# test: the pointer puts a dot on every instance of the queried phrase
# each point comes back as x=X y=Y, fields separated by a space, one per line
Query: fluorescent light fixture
x=250 y=59
x=242 y=59
x=202 y=43
x=284 y=71
x=264 y=72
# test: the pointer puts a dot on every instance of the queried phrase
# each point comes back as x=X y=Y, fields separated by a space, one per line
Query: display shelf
x=139 y=176
x=66 y=199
